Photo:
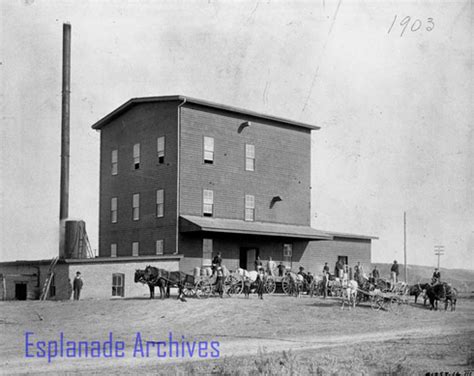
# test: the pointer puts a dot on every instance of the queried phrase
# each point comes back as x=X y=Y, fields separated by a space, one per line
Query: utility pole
x=439 y=251
x=405 y=243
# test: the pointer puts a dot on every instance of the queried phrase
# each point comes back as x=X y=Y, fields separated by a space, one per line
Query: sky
x=389 y=83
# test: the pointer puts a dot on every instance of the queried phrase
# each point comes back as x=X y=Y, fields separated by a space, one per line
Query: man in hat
x=281 y=269
x=77 y=286
x=436 y=277
x=394 y=273
x=216 y=262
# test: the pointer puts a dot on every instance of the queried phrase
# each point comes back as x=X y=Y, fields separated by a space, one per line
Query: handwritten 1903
x=415 y=25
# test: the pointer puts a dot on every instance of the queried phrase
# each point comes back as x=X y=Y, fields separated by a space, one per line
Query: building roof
x=349 y=236
x=190 y=223
x=132 y=102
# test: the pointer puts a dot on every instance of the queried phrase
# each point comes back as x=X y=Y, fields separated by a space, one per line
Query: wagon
x=388 y=301
x=206 y=286
x=269 y=281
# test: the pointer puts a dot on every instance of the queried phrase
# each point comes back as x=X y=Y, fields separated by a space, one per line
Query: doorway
x=248 y=255
x=20 y=291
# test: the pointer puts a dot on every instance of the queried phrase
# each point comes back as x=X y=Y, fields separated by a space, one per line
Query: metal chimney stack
x=65 y=114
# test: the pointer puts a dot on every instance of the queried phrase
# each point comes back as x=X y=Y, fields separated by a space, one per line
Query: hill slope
x=462 y=279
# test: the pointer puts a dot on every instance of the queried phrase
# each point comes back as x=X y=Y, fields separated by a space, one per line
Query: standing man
x=258 y=264
x=271 y=266
x=394 y=272
x=325 y=282
x=357 y=271
x=77 y=286
x=375 y=273
x=216 y=262
x=325 y=268
x=281 y=269
x=436 y=277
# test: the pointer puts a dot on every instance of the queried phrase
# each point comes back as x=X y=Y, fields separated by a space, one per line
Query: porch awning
x=189 y=223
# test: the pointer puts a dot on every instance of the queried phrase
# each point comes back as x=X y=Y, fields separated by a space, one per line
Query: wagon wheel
x=233 y=284
x=336 y=290
x=270 y=285
x=189 y=290
x=286 y=285
x=377 y=302
x=397 y=305
x=203 y=289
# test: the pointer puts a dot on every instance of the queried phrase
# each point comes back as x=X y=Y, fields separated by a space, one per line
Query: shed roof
x=127 y=105
x=190 y=223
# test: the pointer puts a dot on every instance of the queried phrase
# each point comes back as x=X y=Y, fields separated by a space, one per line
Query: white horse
x=349 y=293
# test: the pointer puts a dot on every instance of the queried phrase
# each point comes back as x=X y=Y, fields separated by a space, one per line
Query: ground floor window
x=287 y=254
x=206 y=252
x=118 y=284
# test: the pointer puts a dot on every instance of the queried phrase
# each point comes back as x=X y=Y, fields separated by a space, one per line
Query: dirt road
x=242 y=328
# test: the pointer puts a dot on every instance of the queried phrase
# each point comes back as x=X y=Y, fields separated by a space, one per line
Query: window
x=160 y=149
x=249 y=157
x=160 y=200
x=136 y=156
x=118 y=284
x=208 y=202
x=209 y=150
x=114 y=162
x=135 y=248
x=249 y=208
x=287 y=253
x=206 y=252
x=136 y=207
x=113 y=210
x=159 y=247
x=113 y=250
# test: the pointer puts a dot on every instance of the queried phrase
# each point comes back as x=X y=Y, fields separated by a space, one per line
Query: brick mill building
x=185 y=176
x=182 y=179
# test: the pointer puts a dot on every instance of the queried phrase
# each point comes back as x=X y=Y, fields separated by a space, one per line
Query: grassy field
x=277 y=336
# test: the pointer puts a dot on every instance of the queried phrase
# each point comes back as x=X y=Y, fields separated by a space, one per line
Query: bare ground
x=320 y=335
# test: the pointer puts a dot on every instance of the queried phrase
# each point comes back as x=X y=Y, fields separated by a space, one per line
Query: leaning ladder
x=49 y=278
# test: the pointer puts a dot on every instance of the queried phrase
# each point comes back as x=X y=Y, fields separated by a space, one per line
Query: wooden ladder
x=49 y=278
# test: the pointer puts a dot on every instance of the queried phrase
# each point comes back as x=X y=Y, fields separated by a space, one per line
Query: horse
x=172 y=279
x=142 y=277
x=442 y=291
x=417 y=290
x=349 y=293
x=451 y=297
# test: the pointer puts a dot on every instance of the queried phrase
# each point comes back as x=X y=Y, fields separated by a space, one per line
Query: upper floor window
x=249 y=157
x=135 y=246
x=159 y=247
x=136 y=207
x=113 y=209
x=160 y=149
x=208 y=150
x=208 y=202
x=136 y=156
x=160 y=203
x=249 y=207
x=113 y=250
x=114 y=162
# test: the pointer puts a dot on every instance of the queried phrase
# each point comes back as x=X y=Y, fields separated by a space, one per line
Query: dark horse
x=169 y=279
x=142 y=277
x=442 y=291
x=417 y=290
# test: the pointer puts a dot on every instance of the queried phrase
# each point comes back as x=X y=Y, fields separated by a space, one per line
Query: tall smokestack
x=65 y=113
x=64 y=198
